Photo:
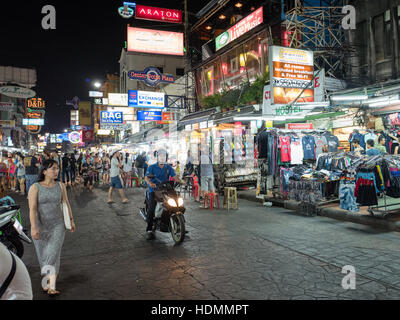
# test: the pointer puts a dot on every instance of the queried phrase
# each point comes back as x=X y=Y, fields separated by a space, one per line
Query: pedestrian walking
x=206 y=174
x=66 y=169
x=72 y=162
x=21 y=173
x=47 y=221
x=106 y=169
x=127 y=168
x=116 y=168
x=31 y=169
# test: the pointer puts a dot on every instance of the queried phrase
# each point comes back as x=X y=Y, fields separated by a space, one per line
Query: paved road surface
x=253 y=253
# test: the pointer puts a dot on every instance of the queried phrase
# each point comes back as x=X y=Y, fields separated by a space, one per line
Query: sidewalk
x=390 y=222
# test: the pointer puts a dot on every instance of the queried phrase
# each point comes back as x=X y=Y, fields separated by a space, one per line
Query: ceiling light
x=208 y=27
x=238 y=5
x=222 y=17
x=349 y=98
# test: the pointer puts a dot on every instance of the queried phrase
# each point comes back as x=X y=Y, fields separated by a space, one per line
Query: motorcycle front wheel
x=177 y=228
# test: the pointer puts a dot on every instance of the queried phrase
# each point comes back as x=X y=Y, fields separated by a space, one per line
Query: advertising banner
x=85 y=113
x=149 y=116
x=158 y=14
x=88 y=135
x=155 y=41
x=146 y=99
x=96 y=94
x=17 y=92
x=267 y=110
x=111 y=117
x=299 y=126
x=239 y=29
x=151 y=76
x=33 y=122
x=118 y=99
x=291 y=72
x=7 y=123
x=6 y=106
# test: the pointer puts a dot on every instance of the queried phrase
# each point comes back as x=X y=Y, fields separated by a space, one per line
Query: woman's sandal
x=53 y=292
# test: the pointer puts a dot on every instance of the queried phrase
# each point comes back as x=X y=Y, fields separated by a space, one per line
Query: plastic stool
x=230 y=198
x=211 y=197
x=136 y=181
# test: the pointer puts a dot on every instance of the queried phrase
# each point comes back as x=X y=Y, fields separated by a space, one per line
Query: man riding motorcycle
x=160 y=172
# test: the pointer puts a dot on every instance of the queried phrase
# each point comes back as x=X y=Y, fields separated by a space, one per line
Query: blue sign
x=146 y=99
x=149 y=116
x=111 y=117
x=152 y=76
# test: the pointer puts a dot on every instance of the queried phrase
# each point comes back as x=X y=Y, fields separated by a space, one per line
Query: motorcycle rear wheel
x=177 y=228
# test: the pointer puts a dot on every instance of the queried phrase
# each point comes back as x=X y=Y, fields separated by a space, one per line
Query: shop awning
x=196 y=117
x=386 y=110
x=227 y=117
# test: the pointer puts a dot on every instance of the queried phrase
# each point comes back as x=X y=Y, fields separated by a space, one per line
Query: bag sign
x=111 y=117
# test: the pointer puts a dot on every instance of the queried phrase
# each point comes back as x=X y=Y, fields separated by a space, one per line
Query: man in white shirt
x=115 y=178
x=19 y=285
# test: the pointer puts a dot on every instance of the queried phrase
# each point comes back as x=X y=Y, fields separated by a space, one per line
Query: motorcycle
x=11 y=230
x=169 y=212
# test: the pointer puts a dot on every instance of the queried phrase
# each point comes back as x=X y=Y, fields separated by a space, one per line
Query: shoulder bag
x=10 y=277
x=65 y=211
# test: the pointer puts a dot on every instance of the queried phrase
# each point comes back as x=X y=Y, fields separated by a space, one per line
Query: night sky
x=86 y=44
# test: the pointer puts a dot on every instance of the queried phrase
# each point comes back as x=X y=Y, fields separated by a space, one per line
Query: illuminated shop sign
x=146 y=99
x=158 y=14
x=155 y=41
x=151 y=76
x=292 y=70
x=149 y=115
x=239 y=29
x=111 y=117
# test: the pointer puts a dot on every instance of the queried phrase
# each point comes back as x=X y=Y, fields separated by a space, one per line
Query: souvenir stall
x=234 y=154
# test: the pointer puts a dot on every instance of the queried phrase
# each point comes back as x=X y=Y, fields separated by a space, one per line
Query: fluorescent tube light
x=349 y=98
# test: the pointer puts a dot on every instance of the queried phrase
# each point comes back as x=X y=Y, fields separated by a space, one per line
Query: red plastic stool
x=136 y=180
x=211 y=197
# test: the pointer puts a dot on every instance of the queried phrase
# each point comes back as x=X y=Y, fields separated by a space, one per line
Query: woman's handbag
x=65 y=211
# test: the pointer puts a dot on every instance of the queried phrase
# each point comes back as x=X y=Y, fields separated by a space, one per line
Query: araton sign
x=17 y=92
x=158 y=14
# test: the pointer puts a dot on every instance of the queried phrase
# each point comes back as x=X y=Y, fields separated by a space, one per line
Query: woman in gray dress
x=47 y=222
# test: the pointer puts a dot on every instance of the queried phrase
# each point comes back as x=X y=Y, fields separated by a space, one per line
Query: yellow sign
x=85 y=113
x=269 y=124
x=7 y=123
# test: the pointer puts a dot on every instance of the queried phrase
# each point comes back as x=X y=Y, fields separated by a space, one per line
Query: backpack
x=139 y=162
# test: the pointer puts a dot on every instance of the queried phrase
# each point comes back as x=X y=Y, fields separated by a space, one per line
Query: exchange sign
x=146 y=99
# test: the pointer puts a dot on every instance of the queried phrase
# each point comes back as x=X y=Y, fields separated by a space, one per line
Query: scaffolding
x=319 y=28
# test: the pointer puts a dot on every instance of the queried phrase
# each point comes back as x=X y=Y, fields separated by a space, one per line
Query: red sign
x=243 y=26
x=88 y=135
x=158 y=14
x=167 y=116
x=300 y=126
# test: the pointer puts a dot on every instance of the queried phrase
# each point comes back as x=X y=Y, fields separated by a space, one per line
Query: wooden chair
x=230 y=198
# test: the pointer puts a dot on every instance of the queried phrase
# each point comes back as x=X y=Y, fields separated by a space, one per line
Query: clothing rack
x=383 y=210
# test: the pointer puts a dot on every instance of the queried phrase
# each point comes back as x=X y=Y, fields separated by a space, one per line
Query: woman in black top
x=72 y=162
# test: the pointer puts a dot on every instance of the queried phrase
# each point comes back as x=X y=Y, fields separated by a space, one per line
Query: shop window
x=379 y=37
x=388 y=35
x=361 y=42
x=180 y=71
x=234 y=65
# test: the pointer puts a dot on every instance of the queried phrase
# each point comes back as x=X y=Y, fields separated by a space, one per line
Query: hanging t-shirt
x=262 y=145
x=296 y=151
x=332 y=142
x=285 y=149
x=309 y=147
x=320 y=141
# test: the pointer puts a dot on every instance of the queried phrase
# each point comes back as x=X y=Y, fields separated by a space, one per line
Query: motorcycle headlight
x=172 y=203
x=180 y=202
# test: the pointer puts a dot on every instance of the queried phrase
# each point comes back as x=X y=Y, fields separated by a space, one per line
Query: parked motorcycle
x=11 y=231
x=169 y=213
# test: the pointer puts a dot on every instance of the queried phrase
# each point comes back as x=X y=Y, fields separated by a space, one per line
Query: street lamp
x=97 y=84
